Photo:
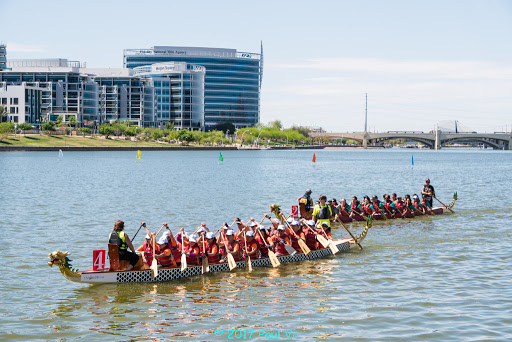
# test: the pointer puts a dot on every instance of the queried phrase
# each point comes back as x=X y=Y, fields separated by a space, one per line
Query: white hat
x=251 y=224
x=289 y=219
x=249 y=234
x=230 y=232
x=415 y=196
x=261 y=227
x=210 y=235
x=294 y=223
x=192 y=238
x=147 y=236
x=325 y=224
x=201 y=229
x=280 y=227
x=166 y=233
x=311 y=223
x=162 y=240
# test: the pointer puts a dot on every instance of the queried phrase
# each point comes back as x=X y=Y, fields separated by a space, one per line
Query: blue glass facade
x=232 y=80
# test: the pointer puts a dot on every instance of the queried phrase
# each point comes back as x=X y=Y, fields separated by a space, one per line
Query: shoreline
x=148 y=148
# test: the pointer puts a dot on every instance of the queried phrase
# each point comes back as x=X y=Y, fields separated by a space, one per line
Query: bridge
x=434 y=140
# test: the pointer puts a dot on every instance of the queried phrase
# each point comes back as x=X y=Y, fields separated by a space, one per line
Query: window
x=12 y=110
x=4 y=100
x=15 y=100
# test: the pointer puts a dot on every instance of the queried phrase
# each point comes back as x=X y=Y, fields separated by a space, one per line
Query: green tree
x=276 y=124
x=72 y=121
x=156 y=133
x=185 y=135
x=169 y=126
x=49 y=127
x=6 y=128
x=59 y=120
x=132 y=131
x=225 y=127
x=106 y=129
x=84 y=130
x=25 y=126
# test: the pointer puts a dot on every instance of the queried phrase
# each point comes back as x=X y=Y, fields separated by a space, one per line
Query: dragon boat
x=168 y=274
x=380 y=216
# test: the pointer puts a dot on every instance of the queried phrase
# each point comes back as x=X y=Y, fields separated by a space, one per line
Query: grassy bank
x=74 y=141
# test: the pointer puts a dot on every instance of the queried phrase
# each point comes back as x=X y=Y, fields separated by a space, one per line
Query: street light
x=258 y=138
x=242 y=138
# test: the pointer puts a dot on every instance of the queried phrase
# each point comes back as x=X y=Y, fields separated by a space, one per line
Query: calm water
x=445 y=278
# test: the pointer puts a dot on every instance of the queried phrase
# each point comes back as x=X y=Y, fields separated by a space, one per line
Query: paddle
x=333 y=248
x=249 y=263
x=447 y=207
x=348 y=231
x=183 y=256
x=231 y=259
x=154 y=266
x=141 y=224
x=271 y=255
x=206 y=267
x=305 y=249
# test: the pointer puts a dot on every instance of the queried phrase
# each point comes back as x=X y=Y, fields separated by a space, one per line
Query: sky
x=420 y=62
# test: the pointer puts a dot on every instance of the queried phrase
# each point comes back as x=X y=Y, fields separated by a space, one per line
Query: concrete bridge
x=434 y=139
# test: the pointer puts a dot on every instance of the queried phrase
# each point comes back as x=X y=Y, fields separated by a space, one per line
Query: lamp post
x=258 y=138
x=242 y=138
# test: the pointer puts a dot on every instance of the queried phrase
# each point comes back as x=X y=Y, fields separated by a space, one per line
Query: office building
x=3 y=56
x=232 y=79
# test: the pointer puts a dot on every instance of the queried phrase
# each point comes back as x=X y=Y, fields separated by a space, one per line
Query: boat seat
x=113 y=256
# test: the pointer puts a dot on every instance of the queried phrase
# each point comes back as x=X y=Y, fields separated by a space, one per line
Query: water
x=445 y=278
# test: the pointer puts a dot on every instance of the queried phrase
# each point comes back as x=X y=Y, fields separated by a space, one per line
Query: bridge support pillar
x=437 y=141
x=366 y=136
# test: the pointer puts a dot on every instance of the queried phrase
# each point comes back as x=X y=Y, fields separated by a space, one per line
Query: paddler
x=428 y=192
x=120 y=238
x=147 y=249
x=295 y=235
x=355 y=205
x=233 y=246
x=212 y=249
x=419 y=207
x=344 y=209
x=165 y=256
x=389 y=206
x=307 y=235
x=322 y=212
x=278 y=240
x=241 y=228
x=261 y=238
x=192 y=251
x=252 y=246
x=173 y=244
x=306 y=200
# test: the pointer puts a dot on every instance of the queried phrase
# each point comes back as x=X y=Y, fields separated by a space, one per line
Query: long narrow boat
x=167 y=274
x=380 y=216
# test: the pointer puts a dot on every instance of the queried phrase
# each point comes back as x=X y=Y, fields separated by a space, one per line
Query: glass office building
x=179 y=93
x=232 y=79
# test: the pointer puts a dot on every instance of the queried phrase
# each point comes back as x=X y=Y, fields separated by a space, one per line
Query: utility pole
x=366 y=113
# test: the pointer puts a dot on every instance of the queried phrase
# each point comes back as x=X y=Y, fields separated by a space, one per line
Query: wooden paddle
x=447 y=207
x=183 y=256
x=154 y=265
x=305 y=249
x=249 y=263
x=206 y=267
x=271 y=255
x=351 y=235
x=231 y=259
x=333 y=248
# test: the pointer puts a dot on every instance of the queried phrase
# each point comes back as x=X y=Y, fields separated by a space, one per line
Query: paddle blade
x=290 y=249
x=304 y=247
x=231 y=262
x=323 y=241
x=249 y=263
x=273 y=259
x=333 y=248
x=183 y=262
x=206 y=267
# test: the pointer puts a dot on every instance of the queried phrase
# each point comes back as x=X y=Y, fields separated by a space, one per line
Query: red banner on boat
x=98 y=260
x=295 y=211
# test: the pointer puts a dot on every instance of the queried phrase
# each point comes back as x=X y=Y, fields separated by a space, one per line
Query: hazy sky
x=419 y=61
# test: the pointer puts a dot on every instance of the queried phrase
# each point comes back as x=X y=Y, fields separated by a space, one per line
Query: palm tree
x=3 y=113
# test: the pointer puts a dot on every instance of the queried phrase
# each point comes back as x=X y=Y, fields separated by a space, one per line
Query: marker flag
x=412 y=160
x=138 y=154
x=314 y=158
x=221 y=158
x=61 y=154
